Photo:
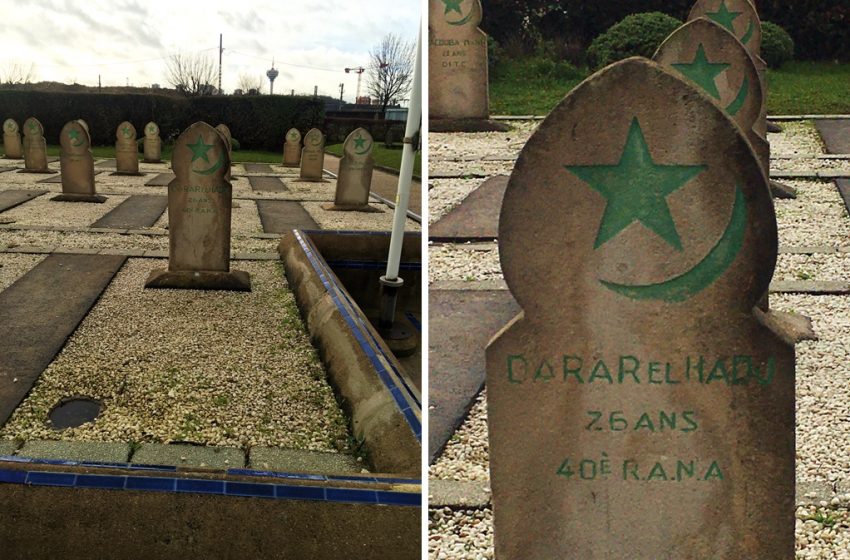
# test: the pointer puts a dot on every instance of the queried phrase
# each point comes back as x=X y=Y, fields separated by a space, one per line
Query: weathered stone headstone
x=313 y=156
x=739 y=17
x=224 y=130
x=126 y=150
x=152 y=144
x=354 y=180
x=199 y=210
x=639 y=407
x=76 y=165
x=292 y=149
x=12 y=147
x=35 y=147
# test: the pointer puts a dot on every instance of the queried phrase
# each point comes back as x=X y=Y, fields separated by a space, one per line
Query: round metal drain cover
x=70 y=413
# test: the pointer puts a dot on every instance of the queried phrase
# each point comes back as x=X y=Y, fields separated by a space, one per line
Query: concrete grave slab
x=15 y=197
x=835 y=134
x=57 y=179
x=91 y=451
x=282 y=216
x=257 y=168
x=106 y=163
x=8 y=447
x=178 y=455
x=844 y=190
x=267 y=184
x=138 y=211
x=36 y=318
x=477 y=217
x=301 y=461
x=640 y=389
x=161 y=180
x=461 y=325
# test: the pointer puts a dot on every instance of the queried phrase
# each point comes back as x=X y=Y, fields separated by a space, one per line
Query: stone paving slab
x=295 y=460
x=462 y=323
x=835 y=135
x=844 y=190
x=92 y=451
x=11 y=198
x=477 y=217
x=57 y=179
x=40 y=311
x=188 y=455
x=7 y=447
x=138 y=211
x=161 y=180
x=281 y=216
x=106 y=163
x=257 y=168
x=4 y=169
x=267 y=184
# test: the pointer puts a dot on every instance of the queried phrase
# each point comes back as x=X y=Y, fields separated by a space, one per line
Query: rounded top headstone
x=224 y=129
x=10 y=126
x=151 y=130
x=200 y=153
x=293 y=136
x=126 y=131
x=33 y=127
x=358 y=144
x=74 y=138
x=85 y=125
x=710 y=57
x=740 y=17
x=637 y=191
x=313 y=138
x=455 y=13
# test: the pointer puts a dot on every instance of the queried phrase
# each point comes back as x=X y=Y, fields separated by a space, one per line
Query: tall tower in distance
x=272 y=74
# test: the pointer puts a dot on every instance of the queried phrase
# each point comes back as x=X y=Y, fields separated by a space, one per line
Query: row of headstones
x=643 y=405
x=77 y=164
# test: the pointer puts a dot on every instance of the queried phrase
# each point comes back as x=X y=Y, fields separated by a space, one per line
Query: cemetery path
x=835 y=134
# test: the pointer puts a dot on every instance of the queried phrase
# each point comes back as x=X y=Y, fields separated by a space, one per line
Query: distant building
x=396 y=114
x=237 y=92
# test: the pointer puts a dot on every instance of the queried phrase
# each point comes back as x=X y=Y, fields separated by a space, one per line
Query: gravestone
x=224 y=130
x=354 y=180
x=313 y=156
x=35 y=147
x=12 y=147
x=126 y=150
x=292 y=149
x=152 y=144
x=639 y=407
x=76 y=165
x=199 y=211
x=457 y=64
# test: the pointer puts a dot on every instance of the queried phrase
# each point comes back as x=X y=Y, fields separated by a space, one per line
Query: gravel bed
x=356 y=221
x=460 y=262
x=466 y=168
x=819 y=267
x=809 y=164
x=42 y=211
x=14 y=266
x=82 y=240
x=822 y=532
x=214 y=368
x=817 y=217
x=446 y=194
x=796 y=138
x=244 y=219
x=466 y=455
x=480 y=145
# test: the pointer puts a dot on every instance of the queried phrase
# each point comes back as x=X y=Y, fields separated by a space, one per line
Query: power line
x=75 y=65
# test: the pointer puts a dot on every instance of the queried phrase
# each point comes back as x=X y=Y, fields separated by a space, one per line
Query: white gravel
x=215 y=368
x=816 y=217
x=818 y=267
x=797 y=138
x=14 y=266
x=466 y=456
x=356 y=221
x=463 y=262
x=42 y=211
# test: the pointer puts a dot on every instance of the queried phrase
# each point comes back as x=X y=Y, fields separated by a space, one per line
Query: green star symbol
x=703 y=72
x=33 y=126
x=359 y=142
x=73 y=134
x=199 y=149
x=724 y=17
x=636 y=190
x=151 y=129
x=126 y=131
x=453 y=6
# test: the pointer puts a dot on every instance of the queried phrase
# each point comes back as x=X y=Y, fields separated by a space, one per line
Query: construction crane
x=359 y=70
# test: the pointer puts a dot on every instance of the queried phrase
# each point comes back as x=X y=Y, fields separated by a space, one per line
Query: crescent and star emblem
x=360 y=142
x=199 y=151
x=705 y=73
x=454 y=6
x=727 y=18
x=635 y=190
x=74 y=135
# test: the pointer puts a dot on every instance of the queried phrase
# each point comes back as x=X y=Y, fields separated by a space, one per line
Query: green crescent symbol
x=736 y=105
x=365 y=150
x=455 y=7
x=705 y=273
x=749 y=34
x=74 y=134
x=317 y=139
x=209 y=171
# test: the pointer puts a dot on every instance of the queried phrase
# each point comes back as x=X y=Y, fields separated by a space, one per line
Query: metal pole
x=220 y=51
x=390 y=282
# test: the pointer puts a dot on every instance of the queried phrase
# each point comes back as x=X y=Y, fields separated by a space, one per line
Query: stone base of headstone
x=782 y=191
x=152 y=161
x=70 y=197
x=306 y=180
x=128 y=173
x=291 y=165
x=13 y=158
x=233 y=281
x=466 y=125
x=38 y=171
x=794 y=327
x=773 y=127
x=331 y=207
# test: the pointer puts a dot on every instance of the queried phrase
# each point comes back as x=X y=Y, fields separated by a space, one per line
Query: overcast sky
x=312 y=41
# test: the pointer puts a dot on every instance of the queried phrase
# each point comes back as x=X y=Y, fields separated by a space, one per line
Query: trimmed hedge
x=777 y=46
x=260 y=122
x=636 y=35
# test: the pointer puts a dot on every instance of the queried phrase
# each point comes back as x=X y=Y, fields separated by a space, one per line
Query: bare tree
x=390 y=71
x=247 y=82
x=191 y=73
x=15 y=73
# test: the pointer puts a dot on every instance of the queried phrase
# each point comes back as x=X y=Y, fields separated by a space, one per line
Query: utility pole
x=315 y=91
x=98 y=81
x=220 y=52
x=341 y=90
